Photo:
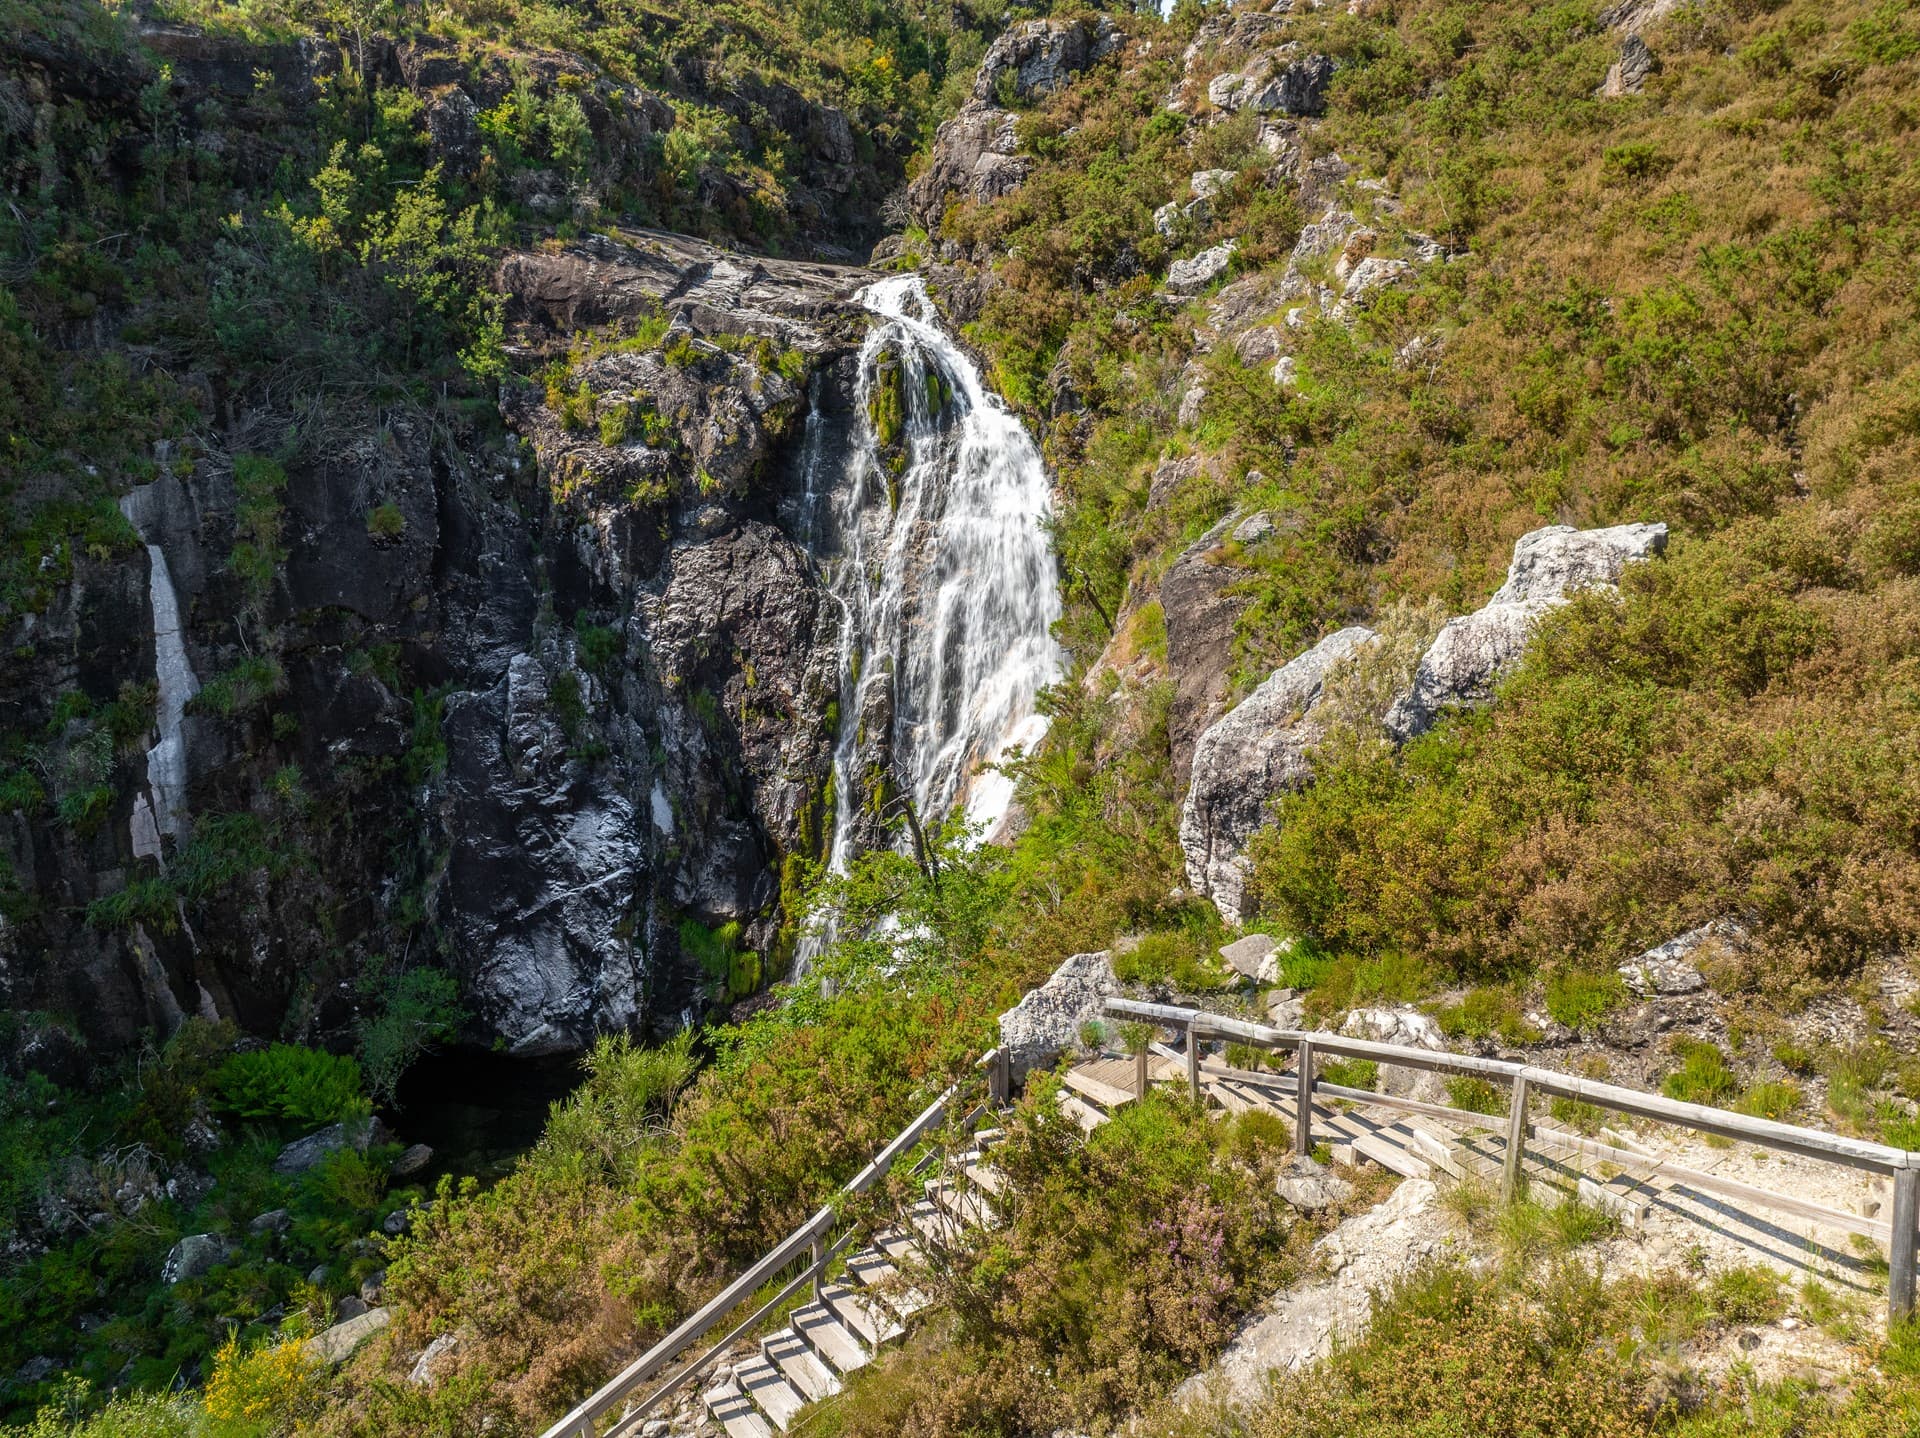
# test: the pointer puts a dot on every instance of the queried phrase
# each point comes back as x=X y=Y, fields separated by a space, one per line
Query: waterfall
x=161 y=809
x=935 y=549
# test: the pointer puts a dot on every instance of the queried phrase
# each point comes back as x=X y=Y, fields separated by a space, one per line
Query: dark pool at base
x=479 y=1109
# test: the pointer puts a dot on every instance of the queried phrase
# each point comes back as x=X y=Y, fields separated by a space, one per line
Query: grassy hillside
x=1695 y=305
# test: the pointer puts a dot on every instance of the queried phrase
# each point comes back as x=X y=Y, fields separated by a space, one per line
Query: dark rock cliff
x=517 y=704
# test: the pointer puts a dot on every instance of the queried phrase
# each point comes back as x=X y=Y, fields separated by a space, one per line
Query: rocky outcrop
x=1471 y=652
x=1279 y=82
x=1409 y=1029
x=1258 y=752
x=1669 y=969
x=1191 y=275
x=974 y=153
x=1047 y=1021
x=1628 y=74
x=1200 y=610
x=547 y=699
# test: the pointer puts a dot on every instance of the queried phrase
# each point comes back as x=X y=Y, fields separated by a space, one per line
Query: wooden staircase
x=869 y=1306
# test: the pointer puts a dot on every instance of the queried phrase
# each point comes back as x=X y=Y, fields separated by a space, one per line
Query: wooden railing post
x=1303 y=1099
x=818 y=1252
x=1511 y=1176
x=1901 y=1255
x=1000 y=1077
x=1140 y=1073
x=1193 y=1058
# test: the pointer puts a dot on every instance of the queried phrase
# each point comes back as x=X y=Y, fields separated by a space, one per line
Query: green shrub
x=1580 y=999
x=385 y=521
x=1487 y=1013
x=405 y=1014
x=734 y=971
x=1778 y=1100
x=1476 y=1095
x=1180 y=957
x=288 y=1081
x=1748 y=1294
x=1703 y=1076
x=1350 y=1073
x=1245 y=1056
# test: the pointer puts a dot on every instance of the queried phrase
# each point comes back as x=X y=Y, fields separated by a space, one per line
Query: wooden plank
x=734 y=1412
x=1229 y=1099
x=986 y=1177
x=769 y=1390
x=899 y=1246
x=1677 y=1174
x=834 y=1343
x=1081 y=1112
x=1390 y=1155
x=1784 y=1137
x=801 y=1365
x=872 y=1324
x=1102 y=1093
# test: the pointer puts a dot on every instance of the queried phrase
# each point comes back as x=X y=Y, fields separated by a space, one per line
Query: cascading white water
x=161 y=809
x=945 y=577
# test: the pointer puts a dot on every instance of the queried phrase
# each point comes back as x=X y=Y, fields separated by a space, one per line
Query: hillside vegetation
x=1697 y=304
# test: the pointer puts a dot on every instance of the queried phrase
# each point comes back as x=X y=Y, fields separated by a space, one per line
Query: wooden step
x=869 y=1320
x=1433 y=1148
x=886 y=1283
x=968 y=1207
x=985 y=1177
x=1102 y=1093
x=933 y=1224
x=1081 y=1112
x=987 y=1137
x=762 y=1382
x=802 y=1367
x=1390 y=1156
x=734 y=1411
x=832 y=1340
x=1229 y=1098
x=898 y=1245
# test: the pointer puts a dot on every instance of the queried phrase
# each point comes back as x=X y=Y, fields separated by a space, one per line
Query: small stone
x=352 y=1306
x=1189 y=276
x=373 y=1287
x=1308 y=1186
x=397 y=1222
x=1208 y=183
x=277 y=1220
x=194 y=1255
x=1286 y=372
x=1628 y=74
x=35 y=1370
x=426 y=1369
x=1253 y=956
x=1254 y=528
x=412 y=1160
x=318 y=1276
x=304 y=1153
x=337 y=1343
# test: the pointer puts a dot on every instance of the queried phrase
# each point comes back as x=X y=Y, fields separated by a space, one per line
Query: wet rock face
x=550 y=696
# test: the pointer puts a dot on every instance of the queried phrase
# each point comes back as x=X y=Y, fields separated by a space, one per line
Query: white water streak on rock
x=164 y=806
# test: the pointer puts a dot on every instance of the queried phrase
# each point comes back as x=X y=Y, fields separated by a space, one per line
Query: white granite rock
x=1471 y=652
x=1251 y=756
x=1047 y=1021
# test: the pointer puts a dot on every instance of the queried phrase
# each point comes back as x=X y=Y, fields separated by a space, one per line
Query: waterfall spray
x=940 y=562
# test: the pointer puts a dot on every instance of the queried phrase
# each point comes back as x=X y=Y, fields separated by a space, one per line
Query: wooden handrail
x=1524 y=1079
x=584 y=1420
